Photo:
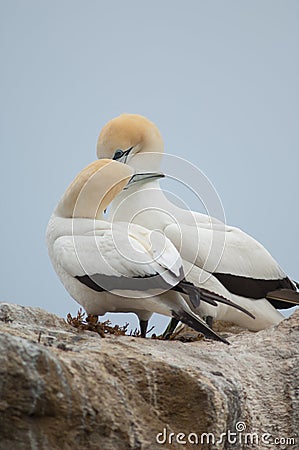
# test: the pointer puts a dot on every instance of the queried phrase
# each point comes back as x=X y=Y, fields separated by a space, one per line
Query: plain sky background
x=219 y=78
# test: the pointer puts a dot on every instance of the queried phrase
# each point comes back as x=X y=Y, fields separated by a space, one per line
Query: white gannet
x=117 y=267
x=240 y=269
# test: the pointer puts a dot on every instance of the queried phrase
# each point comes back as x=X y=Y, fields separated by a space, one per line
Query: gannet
x=238 y=266
x=118 y=267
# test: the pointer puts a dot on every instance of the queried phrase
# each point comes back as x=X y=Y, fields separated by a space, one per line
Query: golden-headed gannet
x=240 y=269
x=117 y=267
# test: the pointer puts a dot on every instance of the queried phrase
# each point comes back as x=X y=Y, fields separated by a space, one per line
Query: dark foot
x=209 y=320
x=170 y=329
x=143 y=327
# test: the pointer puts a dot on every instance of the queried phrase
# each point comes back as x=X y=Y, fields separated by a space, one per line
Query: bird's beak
x=137 y=177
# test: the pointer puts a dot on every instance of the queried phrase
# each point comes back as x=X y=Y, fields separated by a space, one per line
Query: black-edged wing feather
x=188 y=319
x=100 y=264
x=283 y=298
x=197 y=295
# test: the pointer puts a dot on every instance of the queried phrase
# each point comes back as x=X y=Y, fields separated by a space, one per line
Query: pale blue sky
x=220 y=79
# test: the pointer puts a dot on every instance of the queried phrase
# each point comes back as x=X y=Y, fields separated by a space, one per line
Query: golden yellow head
x=128 y=137
x=94 y=188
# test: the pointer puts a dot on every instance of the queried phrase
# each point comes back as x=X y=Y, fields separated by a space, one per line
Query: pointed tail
x=197 y=294
x=197 y=324
x=286 y=298
x=296 y=283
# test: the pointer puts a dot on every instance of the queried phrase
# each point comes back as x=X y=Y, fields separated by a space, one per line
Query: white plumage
x=238 y=266
x=117 y=267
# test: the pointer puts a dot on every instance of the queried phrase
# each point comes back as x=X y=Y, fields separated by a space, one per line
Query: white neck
x=146 y=160
x=144 y=198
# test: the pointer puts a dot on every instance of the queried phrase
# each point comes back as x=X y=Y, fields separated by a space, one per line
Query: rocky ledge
x=65 y=388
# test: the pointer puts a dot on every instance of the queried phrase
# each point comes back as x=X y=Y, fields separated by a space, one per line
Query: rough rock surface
x=61 y=388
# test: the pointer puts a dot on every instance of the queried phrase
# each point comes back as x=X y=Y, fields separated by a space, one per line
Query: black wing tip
x=196 y=294
x=226 y=301
x=221 y=299
x=283 y=298
x=188 y=319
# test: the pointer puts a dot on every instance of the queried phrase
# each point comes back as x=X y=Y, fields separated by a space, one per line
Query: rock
x=62 y=388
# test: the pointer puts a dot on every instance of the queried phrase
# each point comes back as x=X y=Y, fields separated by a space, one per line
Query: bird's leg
x=170 y=329
x=209 y=320
x=143 y=327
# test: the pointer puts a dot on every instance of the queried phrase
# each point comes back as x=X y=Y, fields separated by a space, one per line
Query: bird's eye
x=118 y=154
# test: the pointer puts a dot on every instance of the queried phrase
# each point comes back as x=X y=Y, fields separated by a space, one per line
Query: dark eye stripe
x=120 y=153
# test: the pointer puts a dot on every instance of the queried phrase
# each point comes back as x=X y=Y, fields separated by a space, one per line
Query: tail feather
x=197 y=294
x=226 y=301
x=197 y=324
x=194 y=293
x=296 y=283
x=288 y=296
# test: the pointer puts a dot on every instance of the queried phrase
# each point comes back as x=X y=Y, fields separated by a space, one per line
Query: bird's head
x=94 y=188
x=131 y=139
